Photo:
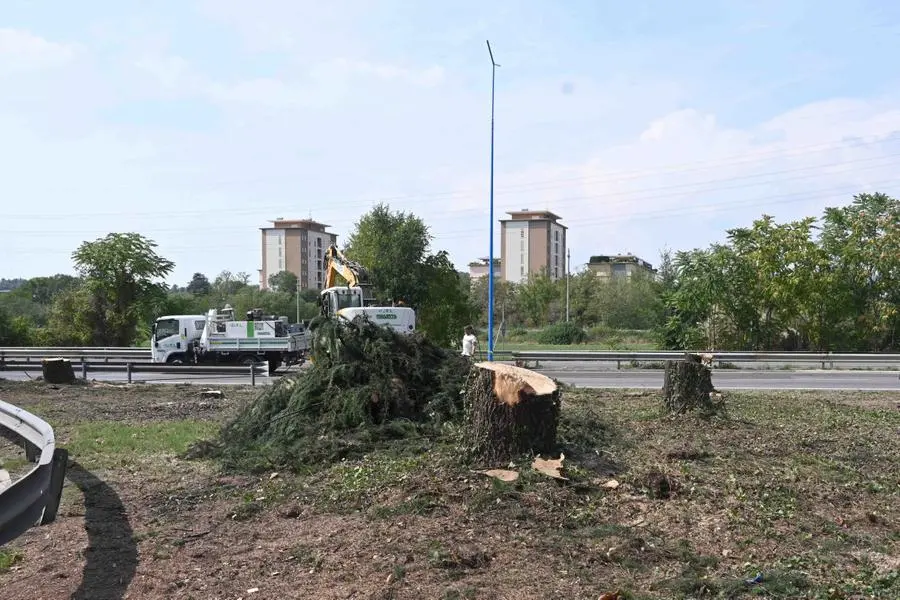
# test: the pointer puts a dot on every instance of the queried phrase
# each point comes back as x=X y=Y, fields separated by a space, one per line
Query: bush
x=562 y=334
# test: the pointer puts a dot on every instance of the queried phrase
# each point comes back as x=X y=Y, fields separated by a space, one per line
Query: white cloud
x=684 y=179
x=24 y=51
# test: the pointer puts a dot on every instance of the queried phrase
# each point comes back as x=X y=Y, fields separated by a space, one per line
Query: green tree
x=199 y=285
x=394 y=248
x=14 y=331
x=284 y=281
x=536 y=297
x=120 y=273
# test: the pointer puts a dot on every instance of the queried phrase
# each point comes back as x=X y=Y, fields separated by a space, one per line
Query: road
x=723 y=379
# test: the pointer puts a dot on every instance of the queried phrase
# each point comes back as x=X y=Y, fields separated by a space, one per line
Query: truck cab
x=173 y=338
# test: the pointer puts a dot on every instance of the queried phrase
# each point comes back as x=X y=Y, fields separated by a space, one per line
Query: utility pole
x=568 y=266
x=494 y=66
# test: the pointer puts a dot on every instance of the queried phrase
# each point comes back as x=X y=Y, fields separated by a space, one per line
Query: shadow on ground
x=111 y=557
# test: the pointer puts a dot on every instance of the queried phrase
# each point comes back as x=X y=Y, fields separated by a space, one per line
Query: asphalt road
x=724 y=379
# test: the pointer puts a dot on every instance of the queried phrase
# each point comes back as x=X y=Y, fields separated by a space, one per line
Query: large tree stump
x=510 y=411
x=688 y=386
x=57 y=370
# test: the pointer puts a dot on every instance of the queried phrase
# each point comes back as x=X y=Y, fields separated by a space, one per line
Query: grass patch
x=107 y=442
x=9 y=558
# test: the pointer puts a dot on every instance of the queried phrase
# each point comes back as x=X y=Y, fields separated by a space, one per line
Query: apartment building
x=531 y=241
x=297 y=246
x=623 y=265
x=479 y=269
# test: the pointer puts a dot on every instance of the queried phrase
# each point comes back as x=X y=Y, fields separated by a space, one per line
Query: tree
x=119 y=273
x=284 y=281
x=536 y=296
x=394 y=248
x=199 y=285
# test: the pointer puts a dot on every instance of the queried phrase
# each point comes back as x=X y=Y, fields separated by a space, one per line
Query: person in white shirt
x=469 y=342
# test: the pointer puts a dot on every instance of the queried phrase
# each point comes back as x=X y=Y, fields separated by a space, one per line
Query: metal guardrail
x=34 y=498
x=719 y=358
x=131 y=368
x=106 y=354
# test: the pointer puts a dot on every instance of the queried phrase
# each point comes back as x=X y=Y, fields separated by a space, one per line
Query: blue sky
x=643 y=124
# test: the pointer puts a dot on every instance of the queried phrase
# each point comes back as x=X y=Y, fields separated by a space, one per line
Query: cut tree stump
x=688 y=385
x=57 y=370
x=510 y=411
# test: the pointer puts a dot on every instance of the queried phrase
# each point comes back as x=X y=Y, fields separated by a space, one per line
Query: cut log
x=510 y=411
x=57 y=370
x=687 y=385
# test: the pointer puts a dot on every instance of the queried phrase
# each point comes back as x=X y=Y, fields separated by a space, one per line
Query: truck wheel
x=175 y=359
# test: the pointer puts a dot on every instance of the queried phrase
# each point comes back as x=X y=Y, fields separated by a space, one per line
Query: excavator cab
x=334 y=299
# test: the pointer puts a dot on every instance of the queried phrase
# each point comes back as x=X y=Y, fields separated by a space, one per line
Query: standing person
x=469 y=342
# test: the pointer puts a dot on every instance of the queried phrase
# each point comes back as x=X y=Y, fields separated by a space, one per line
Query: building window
x=556 y=235
x=522 y=270
x=521 y=233
x=319 y=242
x=319 y=264
x=556 y=272
x=556 y=247
x=319 y=252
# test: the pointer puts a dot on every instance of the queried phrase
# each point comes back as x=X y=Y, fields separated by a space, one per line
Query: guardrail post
x=618 y=365
x=252 y=373
x=84 y=370
x=128 y=370
x=57 y=477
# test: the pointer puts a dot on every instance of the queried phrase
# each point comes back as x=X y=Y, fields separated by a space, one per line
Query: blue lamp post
x=494 y=66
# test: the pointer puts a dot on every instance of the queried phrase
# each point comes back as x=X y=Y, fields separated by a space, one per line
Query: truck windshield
x=166 y=328
x=347 y=301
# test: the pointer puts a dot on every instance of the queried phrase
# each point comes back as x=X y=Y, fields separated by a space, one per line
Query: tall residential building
x=532 y=240
x=297 y=246
x=624 y=265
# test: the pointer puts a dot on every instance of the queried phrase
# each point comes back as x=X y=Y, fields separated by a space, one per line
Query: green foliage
x=366 y=385
x=781 y=286
x=562 y=334
x=14 y=331
x=284 y=282
x=199 y=285
x=119 y=272
x=394 y=248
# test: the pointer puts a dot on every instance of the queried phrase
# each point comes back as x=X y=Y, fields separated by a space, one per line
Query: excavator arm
x=351 y=271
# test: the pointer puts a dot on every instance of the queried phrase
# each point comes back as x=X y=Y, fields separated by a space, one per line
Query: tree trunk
x=688 y=385
x=510 y=411
x=57 y=370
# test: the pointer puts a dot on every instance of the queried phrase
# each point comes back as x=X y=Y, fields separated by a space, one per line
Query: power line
x=508 y=189
x=668 y=191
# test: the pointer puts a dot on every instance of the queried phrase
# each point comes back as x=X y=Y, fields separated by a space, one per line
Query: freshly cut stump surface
x=57 y=370
x=688 y=385
x=510 y=411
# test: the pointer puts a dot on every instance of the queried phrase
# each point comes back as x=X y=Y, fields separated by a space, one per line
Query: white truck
x=217 y=338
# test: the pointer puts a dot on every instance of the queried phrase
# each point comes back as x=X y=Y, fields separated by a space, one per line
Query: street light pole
x=298 y=300
x=568 y=266
x=494 y=66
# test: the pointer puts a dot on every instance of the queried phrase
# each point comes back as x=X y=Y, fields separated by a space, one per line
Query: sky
x=644 y=125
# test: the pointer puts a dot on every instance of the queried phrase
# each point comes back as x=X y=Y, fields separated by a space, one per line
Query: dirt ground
x=793 y=496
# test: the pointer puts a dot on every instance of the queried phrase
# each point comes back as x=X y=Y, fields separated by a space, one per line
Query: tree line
x=118 y=290
x=829 y=283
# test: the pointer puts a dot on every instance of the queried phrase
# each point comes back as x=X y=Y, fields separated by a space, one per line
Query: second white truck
x=217 y=338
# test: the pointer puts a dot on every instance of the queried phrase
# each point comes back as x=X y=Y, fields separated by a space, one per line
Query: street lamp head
x=491 y=52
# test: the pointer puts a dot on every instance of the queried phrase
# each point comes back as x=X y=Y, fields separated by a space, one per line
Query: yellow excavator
x=356 y=298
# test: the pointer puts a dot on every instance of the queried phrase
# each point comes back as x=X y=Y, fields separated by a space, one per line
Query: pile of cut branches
x=366 y=384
